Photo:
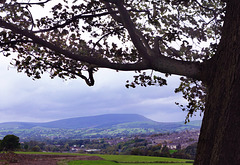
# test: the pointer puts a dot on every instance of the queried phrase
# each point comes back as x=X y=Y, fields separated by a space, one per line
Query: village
x=173 y=141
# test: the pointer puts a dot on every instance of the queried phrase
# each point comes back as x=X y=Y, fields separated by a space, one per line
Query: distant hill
x=99 y=121
x=109 y=125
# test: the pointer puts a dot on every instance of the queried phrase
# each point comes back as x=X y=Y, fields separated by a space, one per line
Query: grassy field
x=139 y=159
x=122 y=160
x=105 y=162
x=132 y=160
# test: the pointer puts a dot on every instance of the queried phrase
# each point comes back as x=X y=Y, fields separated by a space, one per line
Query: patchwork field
x=97 y=159
x=132 y=160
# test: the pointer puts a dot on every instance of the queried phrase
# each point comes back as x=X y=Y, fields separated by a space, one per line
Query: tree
x=1 y=147
x=36 y=148
x=165 y=152
x=191 y=150
x=197 y=39
x=10 y=143
x=25 y=147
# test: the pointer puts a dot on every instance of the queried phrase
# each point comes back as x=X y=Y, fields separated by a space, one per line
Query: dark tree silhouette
x=10 y=143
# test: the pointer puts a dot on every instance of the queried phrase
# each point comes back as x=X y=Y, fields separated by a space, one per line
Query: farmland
x=146 y=160
x=115 y=159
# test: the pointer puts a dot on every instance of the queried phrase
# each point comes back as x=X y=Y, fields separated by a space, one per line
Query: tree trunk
x=219 y=142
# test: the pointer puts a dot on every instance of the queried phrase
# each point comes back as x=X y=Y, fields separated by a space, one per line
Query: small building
x=92 y=150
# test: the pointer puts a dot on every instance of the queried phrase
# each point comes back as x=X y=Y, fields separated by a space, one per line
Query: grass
x=105 y=162
x=46 y=153
x=119 y=160
x=92 y=162
x=172 y=151
x=132 y=160
x=138 y=159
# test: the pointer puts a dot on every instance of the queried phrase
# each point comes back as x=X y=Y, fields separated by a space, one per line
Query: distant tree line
x=141 y=147
x=134 y=146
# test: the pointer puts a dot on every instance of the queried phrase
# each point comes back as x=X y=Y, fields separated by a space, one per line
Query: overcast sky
x=23 y=99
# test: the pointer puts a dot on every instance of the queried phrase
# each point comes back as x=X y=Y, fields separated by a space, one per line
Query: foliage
x=156 y=150
x=10 y=143
x=191 y=150
x=187 y=153
x=79 y=37
x=36 y=148
x=195 y=93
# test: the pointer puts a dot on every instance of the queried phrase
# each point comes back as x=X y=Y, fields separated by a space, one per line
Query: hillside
x=110 y=125
x=100 y=121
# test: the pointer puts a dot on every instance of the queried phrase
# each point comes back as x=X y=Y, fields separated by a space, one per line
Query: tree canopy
x=9 y=143
x=76 y=38
x=196 y=39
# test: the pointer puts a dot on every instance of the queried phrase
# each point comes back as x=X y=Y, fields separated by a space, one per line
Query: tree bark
x=219 y=142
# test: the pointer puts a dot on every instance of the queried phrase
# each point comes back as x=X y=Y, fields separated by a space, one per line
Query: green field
x=92 y=162
x=132 y=160
x=104 y=162
x=122 y=160
x=139 y=159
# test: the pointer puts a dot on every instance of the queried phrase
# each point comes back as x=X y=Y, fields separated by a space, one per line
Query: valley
x=102 y=126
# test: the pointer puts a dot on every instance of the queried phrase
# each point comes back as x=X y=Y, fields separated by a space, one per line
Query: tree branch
x=84 y=15
x=112 y=13
x=156 y=45
x=14 y=42
x=89 y=81
x=98 y=62
x=185 y=68
x=36 y=3
x=206 y=8
x=74 y=18
x=129 y=25
x=159 y=63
